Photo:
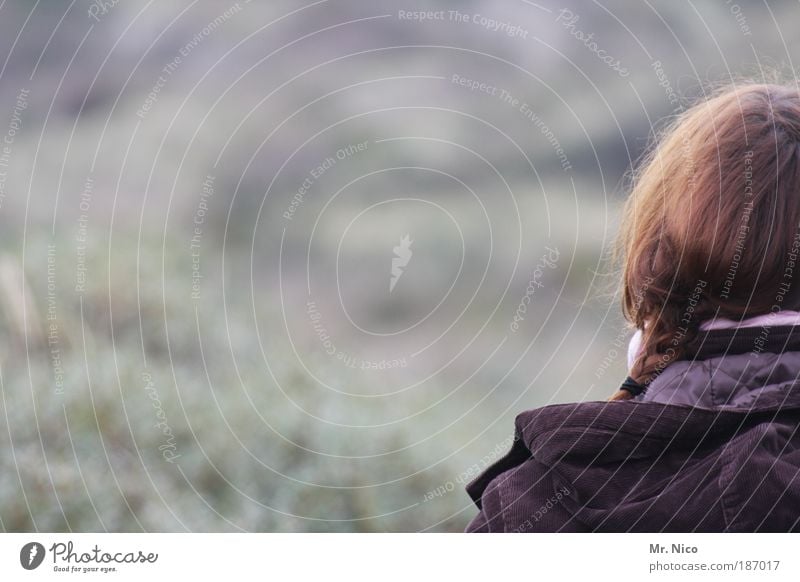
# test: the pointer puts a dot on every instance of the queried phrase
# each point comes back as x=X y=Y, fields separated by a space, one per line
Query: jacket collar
x=740 y=340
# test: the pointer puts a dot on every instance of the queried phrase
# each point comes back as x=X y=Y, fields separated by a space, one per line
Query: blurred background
x=296 y=266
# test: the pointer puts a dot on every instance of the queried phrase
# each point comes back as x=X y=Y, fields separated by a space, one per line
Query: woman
x=703 y=434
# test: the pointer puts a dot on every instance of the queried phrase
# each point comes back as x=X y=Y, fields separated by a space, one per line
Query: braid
x=663 y=342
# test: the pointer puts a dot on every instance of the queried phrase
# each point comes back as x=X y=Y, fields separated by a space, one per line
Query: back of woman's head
x=712 y=226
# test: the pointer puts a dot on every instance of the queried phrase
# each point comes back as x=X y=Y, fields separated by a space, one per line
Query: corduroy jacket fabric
x=712 y=445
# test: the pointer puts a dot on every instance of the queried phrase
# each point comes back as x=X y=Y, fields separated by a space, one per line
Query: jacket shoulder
x=524 y=499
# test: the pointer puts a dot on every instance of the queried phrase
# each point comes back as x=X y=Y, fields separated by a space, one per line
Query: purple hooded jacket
x=712 y=445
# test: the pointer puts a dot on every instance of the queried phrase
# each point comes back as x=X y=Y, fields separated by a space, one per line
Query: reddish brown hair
x=711 y=225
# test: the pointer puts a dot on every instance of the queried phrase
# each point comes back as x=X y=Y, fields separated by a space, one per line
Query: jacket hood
x=657 y=466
